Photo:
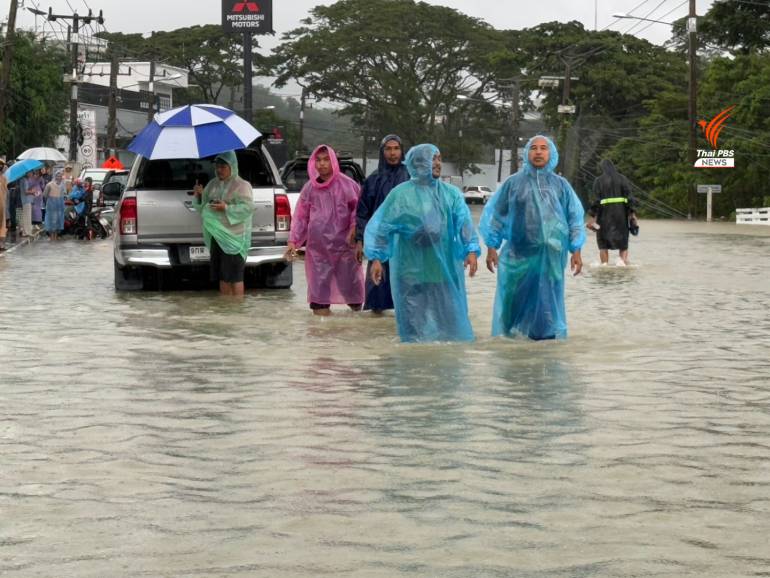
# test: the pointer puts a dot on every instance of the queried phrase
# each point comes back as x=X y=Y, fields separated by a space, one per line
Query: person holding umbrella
x=226 y=210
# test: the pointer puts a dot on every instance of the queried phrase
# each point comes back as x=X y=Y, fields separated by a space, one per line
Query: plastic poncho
x=539 y=218
x=424 y=228
x=324 y=217
x=612 y=205
x=77 y=196
x=54 y=206
x=375 y=189
x=230 y=228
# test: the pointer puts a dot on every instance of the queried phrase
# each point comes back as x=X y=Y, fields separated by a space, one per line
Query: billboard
x=255 y=16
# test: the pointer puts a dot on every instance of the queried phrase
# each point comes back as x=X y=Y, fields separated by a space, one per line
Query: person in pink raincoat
x=324 y=217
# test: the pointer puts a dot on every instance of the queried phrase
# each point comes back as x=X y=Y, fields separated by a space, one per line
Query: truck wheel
x=128 y=278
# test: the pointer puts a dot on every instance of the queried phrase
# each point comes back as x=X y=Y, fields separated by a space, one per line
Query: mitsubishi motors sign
x=255 y=16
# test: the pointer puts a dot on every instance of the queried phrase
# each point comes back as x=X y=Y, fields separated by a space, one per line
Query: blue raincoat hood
x=419 y=163
x=553 y=159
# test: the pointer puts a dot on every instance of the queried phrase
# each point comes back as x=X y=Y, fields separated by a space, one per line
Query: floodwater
x=180 y=434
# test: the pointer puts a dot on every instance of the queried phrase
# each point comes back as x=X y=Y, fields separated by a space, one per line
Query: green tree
x=737 y=26
x=393 y=65
x=37 y=110
x=213 y=60
x=617 y=78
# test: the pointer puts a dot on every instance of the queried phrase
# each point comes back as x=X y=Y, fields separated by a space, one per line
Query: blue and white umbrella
x=193 y=131
x=21 y=168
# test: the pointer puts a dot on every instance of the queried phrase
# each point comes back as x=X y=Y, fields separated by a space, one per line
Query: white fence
x=753 y=216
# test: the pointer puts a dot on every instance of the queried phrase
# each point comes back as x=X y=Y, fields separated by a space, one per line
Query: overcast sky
x=147 y=15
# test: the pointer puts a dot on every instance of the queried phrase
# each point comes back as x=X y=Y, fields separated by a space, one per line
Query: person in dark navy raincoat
x=390 y=173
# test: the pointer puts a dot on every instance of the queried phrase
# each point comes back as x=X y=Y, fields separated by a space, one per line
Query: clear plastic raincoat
x=540 y=219
x=230 y=228
x=323 y=219
x=425 y=229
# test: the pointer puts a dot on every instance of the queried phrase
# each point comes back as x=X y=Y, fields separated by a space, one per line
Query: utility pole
x=248 y=87
x=75 y=45
x=151 y=92
x=74 y=89
x=112 y=116
x=692 y=27
x=112 y=106
x=512 y=87
x=5 y=75
x=302 y=100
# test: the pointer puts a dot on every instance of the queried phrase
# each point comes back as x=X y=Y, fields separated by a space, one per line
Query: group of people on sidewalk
x=418 y=236
x=41 y=196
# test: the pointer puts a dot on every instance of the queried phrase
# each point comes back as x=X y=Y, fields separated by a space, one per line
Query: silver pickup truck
x=158 y=234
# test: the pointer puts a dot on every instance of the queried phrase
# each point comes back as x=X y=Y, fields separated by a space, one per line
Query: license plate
x=199 y=254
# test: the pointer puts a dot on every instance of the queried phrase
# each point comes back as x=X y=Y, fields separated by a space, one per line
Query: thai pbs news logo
x=715 y=158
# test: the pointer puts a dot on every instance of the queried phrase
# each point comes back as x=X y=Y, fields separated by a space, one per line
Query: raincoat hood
x=553 y=159
x=385 y=165
x=313 y=172
x=230 y=158
x=419 y=163
x=58 y=176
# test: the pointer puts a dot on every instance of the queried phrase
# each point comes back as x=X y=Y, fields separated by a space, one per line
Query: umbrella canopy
x=21 y=168
x=113 y=163
x=193 y=131
x=42 y=154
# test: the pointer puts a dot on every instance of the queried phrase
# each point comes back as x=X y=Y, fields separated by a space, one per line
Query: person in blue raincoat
x=534 y=220
x=425 y=231
x=390 y=173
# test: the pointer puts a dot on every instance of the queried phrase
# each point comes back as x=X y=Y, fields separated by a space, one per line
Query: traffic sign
x=709 y=188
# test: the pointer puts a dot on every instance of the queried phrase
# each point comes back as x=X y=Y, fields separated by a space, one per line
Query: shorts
x=616 y=245
x=224 y=267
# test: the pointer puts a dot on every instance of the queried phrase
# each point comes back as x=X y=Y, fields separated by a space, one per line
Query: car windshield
x=175 y=174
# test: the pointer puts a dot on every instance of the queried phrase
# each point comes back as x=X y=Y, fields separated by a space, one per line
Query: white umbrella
x=42 y=154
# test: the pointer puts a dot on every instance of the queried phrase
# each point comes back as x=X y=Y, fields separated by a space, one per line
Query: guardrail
x=753 y=216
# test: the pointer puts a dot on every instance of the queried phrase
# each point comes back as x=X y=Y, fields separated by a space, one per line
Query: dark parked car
x=112 y=187
x=294 y=174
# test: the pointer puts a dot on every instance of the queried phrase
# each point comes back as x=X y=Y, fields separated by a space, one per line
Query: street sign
x=255 y=16
x=548 y=82
x=709 y=188
x=566 y=109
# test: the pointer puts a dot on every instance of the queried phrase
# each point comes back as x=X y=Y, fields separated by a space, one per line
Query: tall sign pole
x=248 y=82
x=692 y=27
x=247 y=18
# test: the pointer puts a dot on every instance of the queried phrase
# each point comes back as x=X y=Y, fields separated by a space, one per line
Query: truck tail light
x=282 y=213
x=128 y=216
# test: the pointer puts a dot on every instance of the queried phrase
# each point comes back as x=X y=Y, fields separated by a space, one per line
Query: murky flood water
x=178 y=434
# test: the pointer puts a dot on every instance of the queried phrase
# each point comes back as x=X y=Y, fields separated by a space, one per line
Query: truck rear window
x=181 y=174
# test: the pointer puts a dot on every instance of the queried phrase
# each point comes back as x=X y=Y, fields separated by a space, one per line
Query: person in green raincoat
x=226 y=209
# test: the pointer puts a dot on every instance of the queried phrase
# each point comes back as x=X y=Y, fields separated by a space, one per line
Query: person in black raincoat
x=613 y=212
x=390 y=173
